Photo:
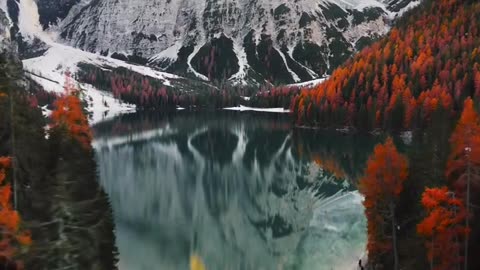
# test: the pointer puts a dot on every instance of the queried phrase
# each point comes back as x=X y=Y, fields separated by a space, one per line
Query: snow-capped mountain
x=237 y=40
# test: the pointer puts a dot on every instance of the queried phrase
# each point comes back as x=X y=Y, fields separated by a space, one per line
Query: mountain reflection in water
x=240 y=191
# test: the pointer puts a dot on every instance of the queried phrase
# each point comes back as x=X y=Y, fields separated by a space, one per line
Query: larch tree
x=463 y=167
x=442 y=228
x=381 y=186
x=69 y=114
x=10 y=232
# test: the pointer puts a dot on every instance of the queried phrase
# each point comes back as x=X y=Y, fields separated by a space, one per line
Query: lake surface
x=237 y=190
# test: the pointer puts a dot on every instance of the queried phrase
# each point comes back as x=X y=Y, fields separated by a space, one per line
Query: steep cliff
x=236 y=40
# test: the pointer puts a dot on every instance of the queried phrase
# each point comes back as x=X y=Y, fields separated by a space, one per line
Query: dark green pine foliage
x=151 y=93
x=56 y=189
x=84 y=220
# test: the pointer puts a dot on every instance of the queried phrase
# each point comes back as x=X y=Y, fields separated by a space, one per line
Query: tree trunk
x=394 y=236
x=433 y=253
x=467 y=219
x=14 y=154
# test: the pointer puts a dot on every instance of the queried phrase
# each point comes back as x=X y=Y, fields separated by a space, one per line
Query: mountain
x=242 y=41
x=53 y=180
x=206 y=57
x=47 y=63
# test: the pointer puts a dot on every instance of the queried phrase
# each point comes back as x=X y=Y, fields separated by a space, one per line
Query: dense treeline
x=425 y=68
x=275 y=97
x=421 y=207
x=150 y=93
x=53 y=182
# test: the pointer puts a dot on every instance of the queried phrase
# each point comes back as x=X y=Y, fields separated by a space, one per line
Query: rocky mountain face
x=54 y=11
x=4 y=30
x=225 y=40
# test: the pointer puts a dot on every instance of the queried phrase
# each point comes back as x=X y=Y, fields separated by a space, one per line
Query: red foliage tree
x=463 y=167
x=442 y=227
x=381 y=185
x=10 y=232
x=69 y=114
x=426 y=55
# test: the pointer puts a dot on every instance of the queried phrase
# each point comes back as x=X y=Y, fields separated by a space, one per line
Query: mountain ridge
x=278 y=41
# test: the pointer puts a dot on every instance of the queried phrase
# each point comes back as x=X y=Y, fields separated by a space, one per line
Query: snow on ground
x=242 y=108
x=170 y=53
x=60 y=58
x=307 y=84
x=101 y=105
x=49 y=71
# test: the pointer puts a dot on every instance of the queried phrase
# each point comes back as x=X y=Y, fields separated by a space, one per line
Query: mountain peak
x=279 y=41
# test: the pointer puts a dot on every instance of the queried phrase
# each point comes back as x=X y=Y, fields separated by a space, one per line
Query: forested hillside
x=425 y=67
x=53 y=213
x=421 y=205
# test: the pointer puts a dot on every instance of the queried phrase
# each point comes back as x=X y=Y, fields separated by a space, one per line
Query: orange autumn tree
x=69 y=114
x=464 y=161
x=442 y=227
x=381 y=186
x=10 y=232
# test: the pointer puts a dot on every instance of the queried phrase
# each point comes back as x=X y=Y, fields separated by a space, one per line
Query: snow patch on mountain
x=157 y=30
x=410 y=6
x=49 y=69
x=237 y=78
x=307 y=84
x=29 y=19
x=375 y=27
x=189 y=62
x=294 y=75
x=170 y=53
x=50 y=72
